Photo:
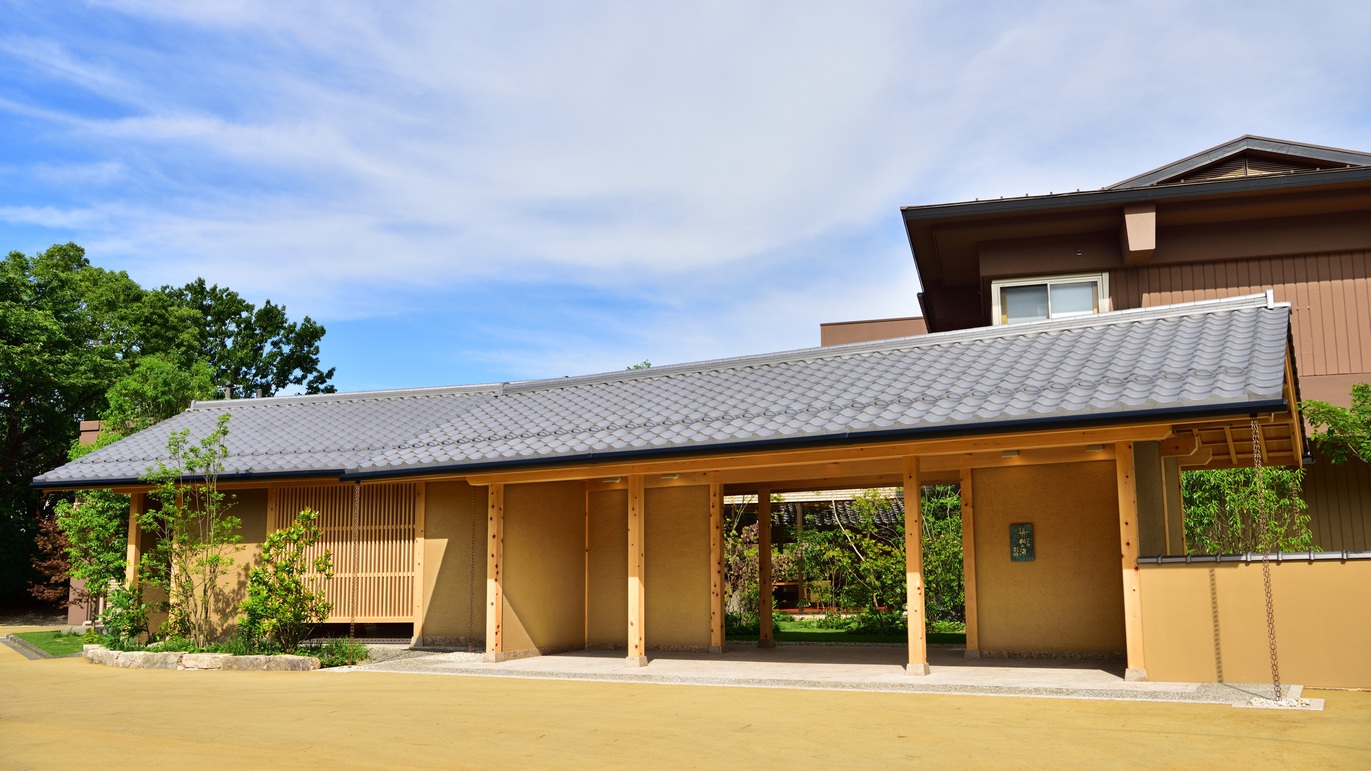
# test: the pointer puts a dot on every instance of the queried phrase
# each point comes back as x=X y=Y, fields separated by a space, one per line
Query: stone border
x=98 y=654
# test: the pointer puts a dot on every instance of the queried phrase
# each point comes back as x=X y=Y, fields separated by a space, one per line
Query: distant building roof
x=1247 y=156
x=1208 y=358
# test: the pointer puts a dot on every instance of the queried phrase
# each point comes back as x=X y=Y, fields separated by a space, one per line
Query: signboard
x=1021 y=542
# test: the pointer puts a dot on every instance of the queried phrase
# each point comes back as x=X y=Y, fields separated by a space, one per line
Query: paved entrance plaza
x=852 y=668
x=66 y=712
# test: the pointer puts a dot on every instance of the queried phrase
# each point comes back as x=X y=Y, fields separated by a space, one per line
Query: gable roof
x=1247 y=156
x=1209 y=358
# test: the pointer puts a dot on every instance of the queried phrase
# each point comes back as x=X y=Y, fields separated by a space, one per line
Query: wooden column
x=973 y=632
x=495 y=572
x=914 y=568
x=1128 y=543
x=420 y=493
x=585 y=601
x=135 y=541
x=637 y=586
x=766 y=637
x=716 y=571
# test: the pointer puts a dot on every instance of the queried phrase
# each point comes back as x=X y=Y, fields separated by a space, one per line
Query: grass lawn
x=54 y=642
x=796 y=631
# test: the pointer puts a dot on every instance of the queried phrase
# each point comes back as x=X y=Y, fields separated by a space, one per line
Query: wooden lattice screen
x=385 y=551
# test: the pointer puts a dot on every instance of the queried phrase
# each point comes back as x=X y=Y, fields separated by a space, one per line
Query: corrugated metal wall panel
x=1339 y=498
x=1330 y=295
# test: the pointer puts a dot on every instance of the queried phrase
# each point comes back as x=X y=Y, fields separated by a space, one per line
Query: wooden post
x=495 y=572
x=585 y=599
x=637 y=588
x=973 y=632
x=766 y=637
x=716 y=572
x=135 y=541
x=914 y=568
x=1128 y=542
x=420 y=493
x=273 y=509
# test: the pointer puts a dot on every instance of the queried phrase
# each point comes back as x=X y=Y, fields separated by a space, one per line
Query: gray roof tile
x=1221 y=354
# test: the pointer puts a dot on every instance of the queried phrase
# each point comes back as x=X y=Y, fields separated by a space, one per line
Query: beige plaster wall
x=677 y=567
x=1207 y=622
x=250 y=507
x=454 y=563
x=1070 y=598
x=544 y=558
x=608 y=573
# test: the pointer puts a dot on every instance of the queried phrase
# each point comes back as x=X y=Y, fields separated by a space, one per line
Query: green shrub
x=338 y=652
x=125 y=617
x=285 y=594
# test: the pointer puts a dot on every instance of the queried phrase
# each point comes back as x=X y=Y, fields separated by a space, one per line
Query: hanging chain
x=356 y=555
x=1264 y=531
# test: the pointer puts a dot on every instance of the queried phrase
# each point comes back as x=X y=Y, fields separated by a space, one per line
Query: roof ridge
x=903 y=343
x=347 y=396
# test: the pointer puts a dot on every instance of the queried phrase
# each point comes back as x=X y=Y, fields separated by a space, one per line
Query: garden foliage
x=1224 y=515
x=285 y=594
x=856 y=571
x=195 y=535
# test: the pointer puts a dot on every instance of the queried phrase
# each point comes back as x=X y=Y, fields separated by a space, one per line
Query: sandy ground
x=62 y=712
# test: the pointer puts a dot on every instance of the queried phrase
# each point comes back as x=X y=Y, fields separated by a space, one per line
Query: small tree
x=1342 y=433
x=196 y=536
x=285 y=596
x=1223 y=511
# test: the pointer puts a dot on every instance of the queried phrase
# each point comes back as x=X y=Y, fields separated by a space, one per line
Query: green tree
x=249 y=348
x=195 y=534
x=1224 y=511
x=91 y=543
x=1342 y=433
x=68 y=330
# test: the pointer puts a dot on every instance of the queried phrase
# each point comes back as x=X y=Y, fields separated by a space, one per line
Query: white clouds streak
x=333 y=153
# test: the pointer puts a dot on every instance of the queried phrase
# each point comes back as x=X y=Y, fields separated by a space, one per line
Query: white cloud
x=338 y=156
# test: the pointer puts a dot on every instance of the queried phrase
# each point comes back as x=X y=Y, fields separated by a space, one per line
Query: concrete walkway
x=848 y=668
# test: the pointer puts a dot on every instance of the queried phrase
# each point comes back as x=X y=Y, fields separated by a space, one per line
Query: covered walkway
x=845 y=668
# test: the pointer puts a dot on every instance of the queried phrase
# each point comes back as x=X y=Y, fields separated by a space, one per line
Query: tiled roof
x=1216 y=356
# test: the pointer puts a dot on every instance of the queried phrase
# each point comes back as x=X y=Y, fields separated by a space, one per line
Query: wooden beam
x=495 y=570
x=134 y=552
x=1139 y=233
x=765 y=634
x=973 y=634
x=420 y=495
x=1175 y=508
x=914 y=567
x=1128 y=544
x=716 y=565
x=637 y=588
x=1232 y=448
x=858 y=452
x=1183 y=444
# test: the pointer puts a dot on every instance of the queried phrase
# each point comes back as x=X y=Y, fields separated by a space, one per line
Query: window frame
x=996 y=308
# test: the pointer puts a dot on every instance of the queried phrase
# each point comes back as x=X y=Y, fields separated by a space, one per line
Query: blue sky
x=468 y=192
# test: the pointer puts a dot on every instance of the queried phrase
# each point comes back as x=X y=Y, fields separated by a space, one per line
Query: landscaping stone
x=197 y=661
x=204 y=660
x=148 y=660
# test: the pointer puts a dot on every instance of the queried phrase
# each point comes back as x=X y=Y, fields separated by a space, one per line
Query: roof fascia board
x=1208 y=189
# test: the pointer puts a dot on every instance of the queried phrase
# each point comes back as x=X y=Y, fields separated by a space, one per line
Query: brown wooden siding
x=1339 y=498
x=383 y=580
x=1330 y=296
